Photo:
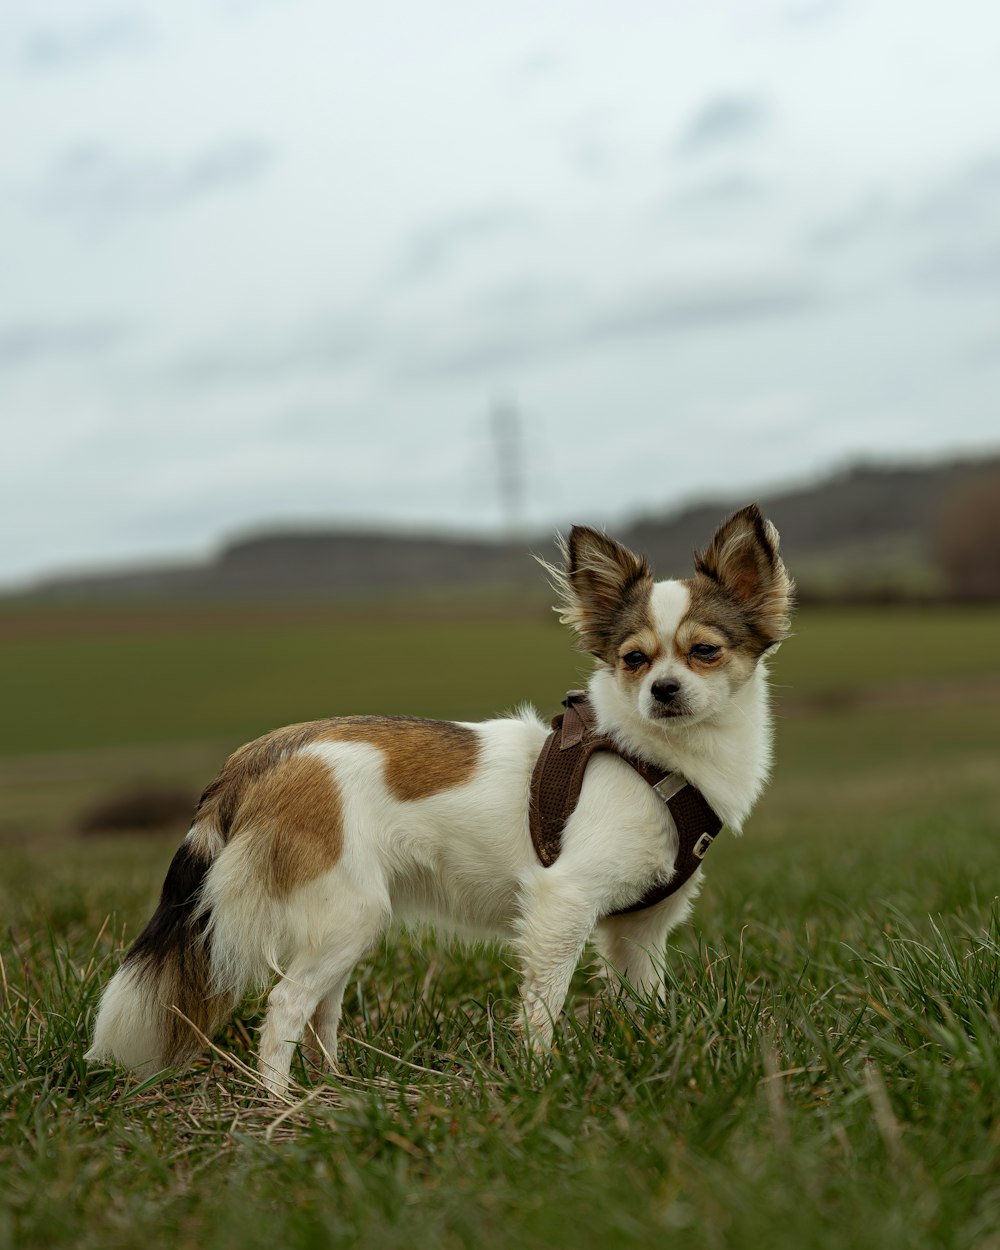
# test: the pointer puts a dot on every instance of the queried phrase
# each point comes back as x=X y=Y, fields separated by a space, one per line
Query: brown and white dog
x=315 y=839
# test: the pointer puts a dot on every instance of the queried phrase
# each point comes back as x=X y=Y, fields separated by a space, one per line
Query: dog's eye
x=705 y=651
x=634 y=660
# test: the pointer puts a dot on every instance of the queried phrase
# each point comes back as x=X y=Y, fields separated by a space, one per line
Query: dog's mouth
x=669 y=711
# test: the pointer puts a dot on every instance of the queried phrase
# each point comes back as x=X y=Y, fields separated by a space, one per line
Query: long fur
x=164 y=995
x=316 y=839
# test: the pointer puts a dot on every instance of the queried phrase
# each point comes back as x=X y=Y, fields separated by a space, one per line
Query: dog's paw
x=536 y=1040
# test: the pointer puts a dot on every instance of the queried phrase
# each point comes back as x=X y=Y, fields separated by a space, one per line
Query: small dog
x=316 y=838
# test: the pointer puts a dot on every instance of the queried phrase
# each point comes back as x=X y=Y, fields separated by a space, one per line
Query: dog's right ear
x=598 y=580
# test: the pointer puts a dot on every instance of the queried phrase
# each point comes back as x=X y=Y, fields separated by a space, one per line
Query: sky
x=282 y=263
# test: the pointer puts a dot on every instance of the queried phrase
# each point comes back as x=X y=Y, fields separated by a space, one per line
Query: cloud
x=594 y=145
x=527 y=297
x=115 y=34
x=735 y=190
x=542 y=63
x=962 y=265
x=958 y=224
x=665 y=312
x=31 y=341
x=983 y=352
x=965 y=203
x=946 y=238
x=969 y=198
x=670 y=311
x=432 y=249
x=486 y=351
x=501 y=325
x=90 y=181
x=323 y=348
x=226 y=165
x=870 y=218
x=806 y=13
x=724 y=121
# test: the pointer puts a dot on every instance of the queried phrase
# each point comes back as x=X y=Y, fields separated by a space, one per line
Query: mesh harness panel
x=558 y=778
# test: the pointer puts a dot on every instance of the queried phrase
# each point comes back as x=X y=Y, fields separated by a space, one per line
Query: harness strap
x=557 y=780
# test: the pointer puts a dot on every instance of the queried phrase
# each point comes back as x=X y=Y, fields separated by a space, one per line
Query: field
x=825 y=1071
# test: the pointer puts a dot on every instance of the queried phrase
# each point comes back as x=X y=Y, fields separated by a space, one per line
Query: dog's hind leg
x=320 y=1043
x=312 y=989
x=289 y=1006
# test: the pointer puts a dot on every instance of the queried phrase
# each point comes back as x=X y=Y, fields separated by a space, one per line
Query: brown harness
x=558 y=778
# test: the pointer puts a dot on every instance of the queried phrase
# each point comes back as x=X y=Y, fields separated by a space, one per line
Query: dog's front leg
x=557 y=918
x=633 y=946
x=633 y=950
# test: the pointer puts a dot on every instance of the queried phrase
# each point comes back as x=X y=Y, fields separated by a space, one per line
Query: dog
x=314 y=839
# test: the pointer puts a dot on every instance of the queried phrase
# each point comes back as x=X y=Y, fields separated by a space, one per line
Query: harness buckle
x=672 y=784
x=700 y=848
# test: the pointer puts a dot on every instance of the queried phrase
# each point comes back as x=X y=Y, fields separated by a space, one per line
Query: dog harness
x=558 y=778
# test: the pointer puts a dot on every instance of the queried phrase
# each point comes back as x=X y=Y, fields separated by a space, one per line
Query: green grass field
x=825 y=1071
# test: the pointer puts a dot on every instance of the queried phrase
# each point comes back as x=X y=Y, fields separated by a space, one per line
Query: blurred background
x=317 y=319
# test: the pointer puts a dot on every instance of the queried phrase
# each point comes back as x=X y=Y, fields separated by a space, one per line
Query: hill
x=867 y=530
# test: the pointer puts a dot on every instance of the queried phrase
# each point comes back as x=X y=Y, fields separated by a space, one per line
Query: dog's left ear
x=744 y=558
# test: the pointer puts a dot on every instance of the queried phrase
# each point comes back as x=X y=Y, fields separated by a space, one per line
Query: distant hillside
x=868 y=529
x=314 y=563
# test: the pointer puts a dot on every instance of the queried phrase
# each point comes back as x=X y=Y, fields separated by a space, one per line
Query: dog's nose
x=664 y=691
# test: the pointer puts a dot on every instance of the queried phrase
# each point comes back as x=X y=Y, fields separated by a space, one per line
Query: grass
x=825 y=1070
x=87 y=679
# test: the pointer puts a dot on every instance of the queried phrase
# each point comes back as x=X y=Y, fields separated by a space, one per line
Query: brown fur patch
x=294 y=813
x=221 y=801
x=421 y=757
x=270 y=778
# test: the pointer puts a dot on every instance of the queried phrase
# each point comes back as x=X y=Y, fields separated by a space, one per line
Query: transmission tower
x=508 y=447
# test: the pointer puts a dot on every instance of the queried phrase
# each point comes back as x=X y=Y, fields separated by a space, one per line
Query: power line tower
x=508 y=448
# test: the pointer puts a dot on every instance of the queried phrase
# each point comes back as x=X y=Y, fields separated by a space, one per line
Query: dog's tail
x=166 y=998
x=224 y=924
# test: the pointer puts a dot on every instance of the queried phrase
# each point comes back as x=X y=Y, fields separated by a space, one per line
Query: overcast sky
x=278 y=261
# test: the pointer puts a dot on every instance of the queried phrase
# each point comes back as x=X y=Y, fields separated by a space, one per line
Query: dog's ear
x=744 y=559
x=600 y=579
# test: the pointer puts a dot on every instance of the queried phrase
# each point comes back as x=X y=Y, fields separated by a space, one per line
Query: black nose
x=664 y=691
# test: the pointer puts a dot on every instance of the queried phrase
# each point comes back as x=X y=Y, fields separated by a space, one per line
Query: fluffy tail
x=166 y=984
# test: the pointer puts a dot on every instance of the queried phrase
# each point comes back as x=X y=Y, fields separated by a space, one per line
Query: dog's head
x=679 y=650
